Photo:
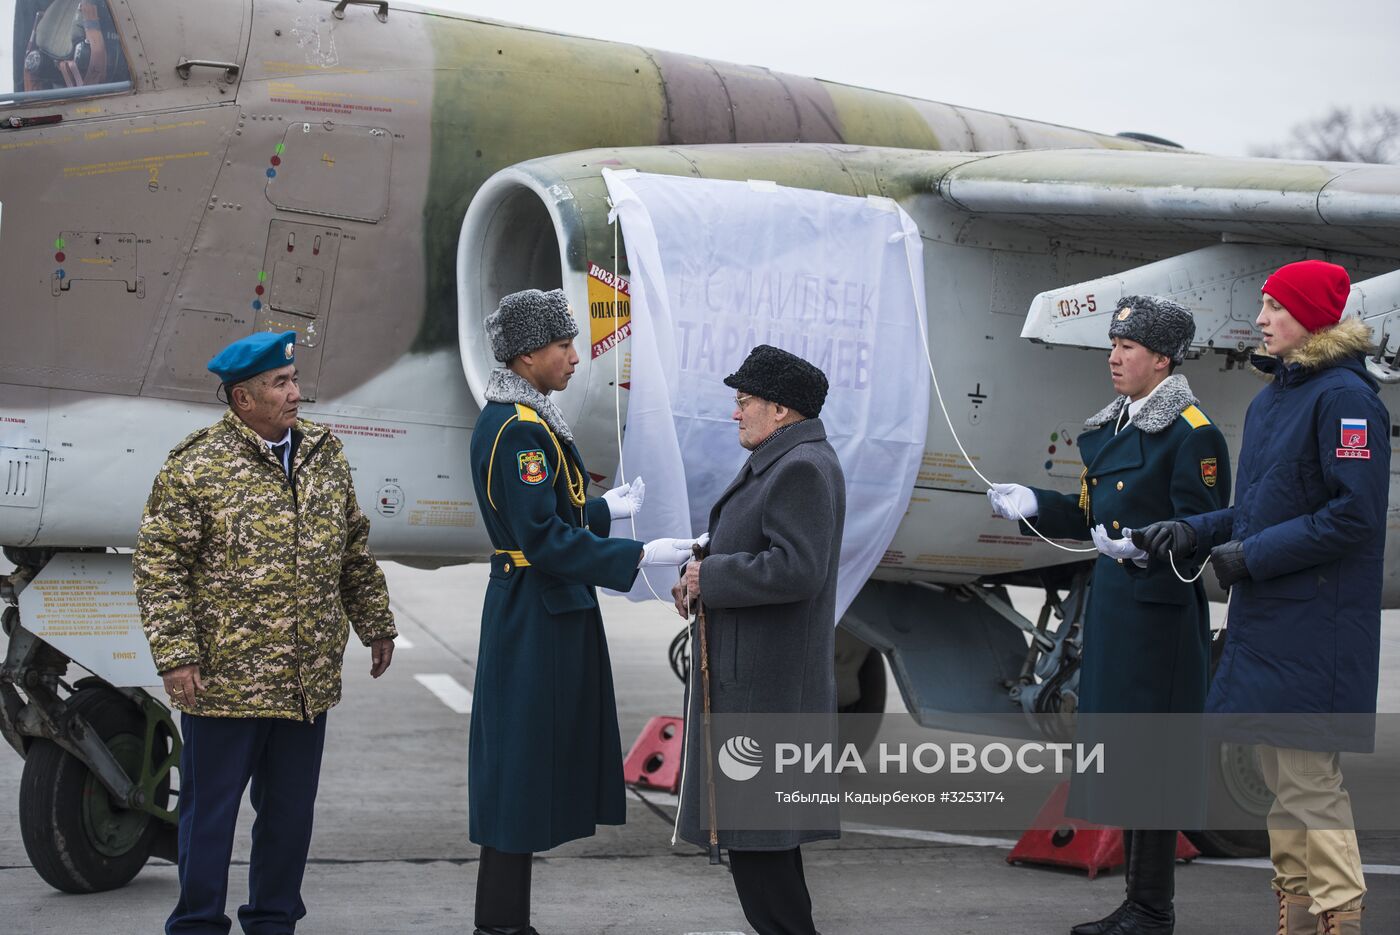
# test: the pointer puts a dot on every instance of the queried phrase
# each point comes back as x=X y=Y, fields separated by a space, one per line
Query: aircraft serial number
x=1068 y=308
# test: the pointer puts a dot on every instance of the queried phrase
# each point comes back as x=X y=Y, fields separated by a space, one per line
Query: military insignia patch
x=289 y=350
x=533 y=467
x=1354 y=440
x=1209 y=471
x=1123 y=315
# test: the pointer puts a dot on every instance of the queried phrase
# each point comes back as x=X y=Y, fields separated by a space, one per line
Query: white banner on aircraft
x=719 y=267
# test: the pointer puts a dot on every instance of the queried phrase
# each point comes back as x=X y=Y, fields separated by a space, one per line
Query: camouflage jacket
x=255 y=577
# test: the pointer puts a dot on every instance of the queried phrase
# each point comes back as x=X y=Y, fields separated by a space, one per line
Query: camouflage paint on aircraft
x=503 y=95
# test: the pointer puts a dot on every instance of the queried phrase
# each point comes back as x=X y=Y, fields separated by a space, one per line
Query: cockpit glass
x=57 y=49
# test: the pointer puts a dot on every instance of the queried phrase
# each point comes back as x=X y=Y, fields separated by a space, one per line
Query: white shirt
x=286 y=452
x=1135 y=406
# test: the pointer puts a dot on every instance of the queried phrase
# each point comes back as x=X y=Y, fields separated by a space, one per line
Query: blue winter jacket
x=1311 y=488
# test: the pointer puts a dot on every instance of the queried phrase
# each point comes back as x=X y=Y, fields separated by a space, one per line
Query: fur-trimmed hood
x=1158 y=413
x=1326 y=348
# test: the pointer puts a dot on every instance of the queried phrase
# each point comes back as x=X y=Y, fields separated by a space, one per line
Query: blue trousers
x=282 y=759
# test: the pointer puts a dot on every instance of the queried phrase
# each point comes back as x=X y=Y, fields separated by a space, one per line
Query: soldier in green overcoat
x=1149 y=455
x=546 y=758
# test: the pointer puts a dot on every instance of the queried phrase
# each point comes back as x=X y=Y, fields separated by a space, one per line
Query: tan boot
x=1338 y=922
x=1293 y=915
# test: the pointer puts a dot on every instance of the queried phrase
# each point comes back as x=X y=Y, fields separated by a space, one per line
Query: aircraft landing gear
x=95 y=790
x=79 y=836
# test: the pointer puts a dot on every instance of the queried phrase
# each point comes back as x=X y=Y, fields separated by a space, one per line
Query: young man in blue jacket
x=1302 y=549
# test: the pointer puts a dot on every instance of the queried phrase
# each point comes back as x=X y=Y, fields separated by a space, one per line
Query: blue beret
x=255 y=354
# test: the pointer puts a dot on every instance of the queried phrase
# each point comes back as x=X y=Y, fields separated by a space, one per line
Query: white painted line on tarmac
x=933 y=837
x=402 y=642
x=1254 y=863
x=448 y=690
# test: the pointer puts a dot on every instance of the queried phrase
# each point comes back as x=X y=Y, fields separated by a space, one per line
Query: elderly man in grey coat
x=768 y=585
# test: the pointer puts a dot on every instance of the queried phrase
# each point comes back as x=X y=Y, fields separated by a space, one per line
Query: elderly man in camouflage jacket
x=251 y=565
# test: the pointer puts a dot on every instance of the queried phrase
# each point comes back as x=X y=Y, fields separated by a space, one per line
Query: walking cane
x=705 y=708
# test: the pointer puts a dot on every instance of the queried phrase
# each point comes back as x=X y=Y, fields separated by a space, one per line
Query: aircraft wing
x=1330 y=206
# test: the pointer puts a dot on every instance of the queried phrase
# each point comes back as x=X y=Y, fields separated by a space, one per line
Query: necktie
x=1123 y=420
x=279 y=450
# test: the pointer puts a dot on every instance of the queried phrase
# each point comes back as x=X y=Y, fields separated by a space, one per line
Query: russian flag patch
x=1353 y=439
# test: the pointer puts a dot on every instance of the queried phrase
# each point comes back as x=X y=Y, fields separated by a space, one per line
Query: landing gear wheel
x=1231 y=844
x=78 y=839
x=1237 y=788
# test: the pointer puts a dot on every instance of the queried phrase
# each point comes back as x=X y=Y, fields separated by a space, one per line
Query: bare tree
x=1342 y=136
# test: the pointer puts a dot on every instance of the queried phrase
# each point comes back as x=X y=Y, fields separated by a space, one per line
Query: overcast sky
x=1216 y=75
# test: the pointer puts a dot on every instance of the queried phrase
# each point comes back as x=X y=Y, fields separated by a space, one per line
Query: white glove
x=666 y=552
x=704 y=540
x=626 y=500
x=1012 y=501
x=1121 y=549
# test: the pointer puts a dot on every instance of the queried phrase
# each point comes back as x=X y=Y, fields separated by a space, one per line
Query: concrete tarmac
x=391 y=854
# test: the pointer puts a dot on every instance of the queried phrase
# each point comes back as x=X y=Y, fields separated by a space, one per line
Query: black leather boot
x=503 y=894
x=1101 y=926
x=1151 y=887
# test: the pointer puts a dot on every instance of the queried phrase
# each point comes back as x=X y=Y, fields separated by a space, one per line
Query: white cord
x=617 y=402
x=1191 y=580
x=948 y=419
x=938 y=393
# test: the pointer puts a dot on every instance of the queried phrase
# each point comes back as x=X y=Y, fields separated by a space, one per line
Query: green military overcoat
x=1146 y=646
x=546 y=758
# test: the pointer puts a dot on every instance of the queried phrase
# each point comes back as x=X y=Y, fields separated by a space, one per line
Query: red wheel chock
x=1070 y=842
x=654 y=762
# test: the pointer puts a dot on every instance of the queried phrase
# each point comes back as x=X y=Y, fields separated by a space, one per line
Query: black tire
x=78 y=839
x=1230 y=844
x=862 y=730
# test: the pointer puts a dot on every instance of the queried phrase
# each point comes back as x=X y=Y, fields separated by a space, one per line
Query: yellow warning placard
x=607 y=326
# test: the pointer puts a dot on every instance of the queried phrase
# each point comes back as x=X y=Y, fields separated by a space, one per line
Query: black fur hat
x=1157 y=324
x=527 y=321
x=775 y=375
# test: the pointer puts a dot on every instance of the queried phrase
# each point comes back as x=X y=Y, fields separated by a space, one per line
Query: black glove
x=1228 y=562
x=1166 y=539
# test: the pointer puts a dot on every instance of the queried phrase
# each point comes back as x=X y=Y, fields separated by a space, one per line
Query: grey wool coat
x=769 y=588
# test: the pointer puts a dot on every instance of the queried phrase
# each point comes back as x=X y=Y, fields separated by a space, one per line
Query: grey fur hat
x=527 y=321
x=1157 y=324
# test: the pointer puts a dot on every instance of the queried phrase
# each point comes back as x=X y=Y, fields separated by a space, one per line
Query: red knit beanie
x=1313 y=292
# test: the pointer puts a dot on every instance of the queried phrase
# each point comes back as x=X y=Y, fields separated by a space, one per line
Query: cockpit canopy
x=60 y=49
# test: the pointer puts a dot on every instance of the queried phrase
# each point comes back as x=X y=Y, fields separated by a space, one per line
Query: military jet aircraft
x=375 y=176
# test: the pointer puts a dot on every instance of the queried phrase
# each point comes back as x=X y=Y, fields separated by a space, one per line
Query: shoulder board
x=525 y=414
x=1195 y=417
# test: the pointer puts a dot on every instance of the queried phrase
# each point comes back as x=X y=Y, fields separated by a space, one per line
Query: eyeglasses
x=741 y=399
